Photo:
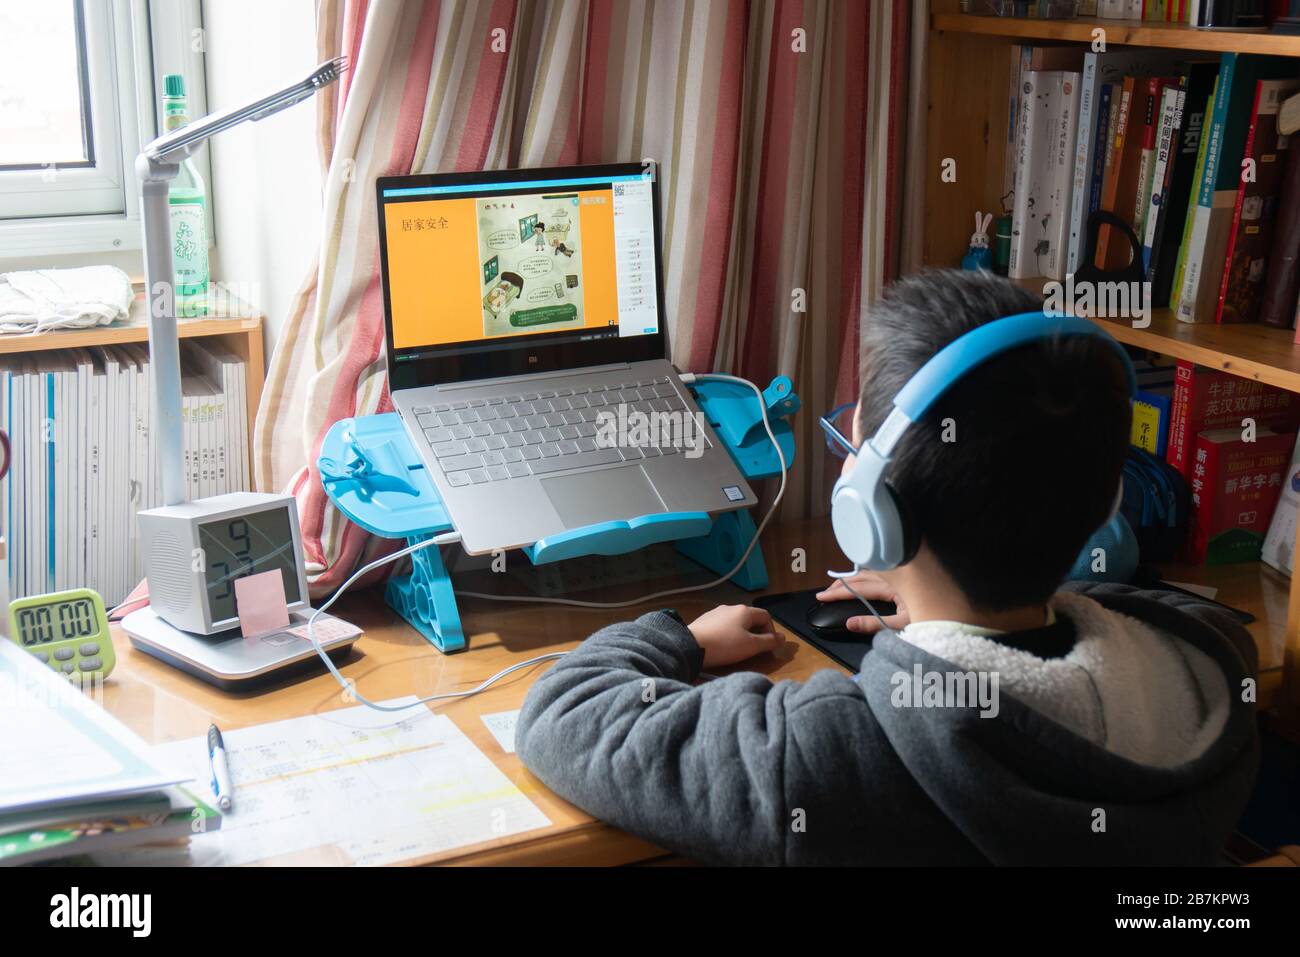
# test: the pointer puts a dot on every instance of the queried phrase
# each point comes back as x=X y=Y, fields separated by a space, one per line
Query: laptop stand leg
x=719 y=550
x=425 y=599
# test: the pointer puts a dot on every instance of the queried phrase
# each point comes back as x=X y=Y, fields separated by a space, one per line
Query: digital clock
x=195 y=551
x=68 y=630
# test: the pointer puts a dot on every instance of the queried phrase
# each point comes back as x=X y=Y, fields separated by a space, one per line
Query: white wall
x=266 y=175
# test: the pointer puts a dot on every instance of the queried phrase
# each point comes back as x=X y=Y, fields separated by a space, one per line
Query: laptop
x=526 y=352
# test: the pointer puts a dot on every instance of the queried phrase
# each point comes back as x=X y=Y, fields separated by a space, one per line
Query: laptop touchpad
x=590 y=497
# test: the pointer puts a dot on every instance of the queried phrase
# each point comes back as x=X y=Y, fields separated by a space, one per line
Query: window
x=77 y=101
x=44 y=96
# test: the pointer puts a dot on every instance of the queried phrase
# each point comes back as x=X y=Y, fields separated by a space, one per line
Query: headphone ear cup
x=911 y=531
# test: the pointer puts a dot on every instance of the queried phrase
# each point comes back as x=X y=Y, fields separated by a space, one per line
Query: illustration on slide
x=528 y=286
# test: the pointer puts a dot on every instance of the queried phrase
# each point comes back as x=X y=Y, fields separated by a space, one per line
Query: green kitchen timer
x=68 y=630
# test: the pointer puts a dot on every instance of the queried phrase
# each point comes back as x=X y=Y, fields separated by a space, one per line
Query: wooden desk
x=392 y=659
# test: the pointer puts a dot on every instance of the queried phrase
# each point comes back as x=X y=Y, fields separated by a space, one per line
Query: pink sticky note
x=259 y=600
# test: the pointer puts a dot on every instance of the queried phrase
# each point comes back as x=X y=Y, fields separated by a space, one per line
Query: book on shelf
x=1151 y=414
x=1206 y=242
x=1117 y=138
x=1278 y=549
x=1028 y=235
x=1171 y=113
x=1100 y=83
x=1060 y=159
x=1027 y=58
x=1235 y=486
x=1255 y=211
x=1194 y=91
x=85 y=459
x=1282 y=274
x=1180 y=261
x=1209 y=399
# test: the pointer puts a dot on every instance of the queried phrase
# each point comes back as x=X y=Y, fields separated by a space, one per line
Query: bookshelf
x=1173 y=36
x=241 y=334
x=966 y=122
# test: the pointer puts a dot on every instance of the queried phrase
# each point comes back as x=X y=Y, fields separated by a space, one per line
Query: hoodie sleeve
x=724 y=772
x=1137 y=601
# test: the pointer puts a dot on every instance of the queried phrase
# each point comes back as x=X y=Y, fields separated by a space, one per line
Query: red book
x=1208 y=399
x=1282 y=275
x=1255 y=210
x=1235 y=487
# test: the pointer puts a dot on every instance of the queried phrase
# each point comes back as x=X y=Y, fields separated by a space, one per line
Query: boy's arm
x=714 y=771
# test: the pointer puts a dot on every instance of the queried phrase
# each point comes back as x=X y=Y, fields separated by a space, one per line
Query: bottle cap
x=174 y=84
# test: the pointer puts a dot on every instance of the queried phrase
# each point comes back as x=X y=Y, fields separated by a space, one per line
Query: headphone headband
x=965 y=353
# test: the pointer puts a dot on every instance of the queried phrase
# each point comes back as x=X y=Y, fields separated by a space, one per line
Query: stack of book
x=1231 y=439
x=76 y=780
x=1187 y=152
x=84 y=460
x=1202 y=13
x=1195 y=13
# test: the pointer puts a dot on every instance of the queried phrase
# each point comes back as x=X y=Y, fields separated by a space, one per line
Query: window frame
x=130 y=45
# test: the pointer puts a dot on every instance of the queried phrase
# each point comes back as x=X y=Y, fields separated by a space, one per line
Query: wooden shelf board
x=1258 y=589
x=229 y=315
x=1250 y=350
x=1178 y=36
x=119 y=333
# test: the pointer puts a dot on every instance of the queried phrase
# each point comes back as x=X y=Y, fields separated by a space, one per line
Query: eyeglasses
x=833 y=423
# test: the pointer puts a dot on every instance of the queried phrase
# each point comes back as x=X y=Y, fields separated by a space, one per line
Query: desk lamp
x=196 y=551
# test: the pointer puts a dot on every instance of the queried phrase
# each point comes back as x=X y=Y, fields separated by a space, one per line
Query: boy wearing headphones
x=999 y=718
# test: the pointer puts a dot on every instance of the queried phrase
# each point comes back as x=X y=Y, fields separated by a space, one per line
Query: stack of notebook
x=76 y=780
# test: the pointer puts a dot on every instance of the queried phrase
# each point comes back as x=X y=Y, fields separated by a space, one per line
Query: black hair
x=1038 y=437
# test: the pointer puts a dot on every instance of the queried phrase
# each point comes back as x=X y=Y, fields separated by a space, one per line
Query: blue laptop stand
x=374 y=477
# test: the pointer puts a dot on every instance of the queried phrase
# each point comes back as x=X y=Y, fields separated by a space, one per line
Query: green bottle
x=189 y=213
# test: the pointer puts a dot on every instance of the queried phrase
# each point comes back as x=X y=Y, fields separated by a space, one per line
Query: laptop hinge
x=530 y=377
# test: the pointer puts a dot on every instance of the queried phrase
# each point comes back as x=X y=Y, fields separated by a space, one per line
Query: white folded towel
x=38 y=300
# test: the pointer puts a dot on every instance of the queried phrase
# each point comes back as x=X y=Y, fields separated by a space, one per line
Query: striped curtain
x=779 y=128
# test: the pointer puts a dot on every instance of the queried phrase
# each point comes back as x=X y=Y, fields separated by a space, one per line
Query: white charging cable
x=449 y=538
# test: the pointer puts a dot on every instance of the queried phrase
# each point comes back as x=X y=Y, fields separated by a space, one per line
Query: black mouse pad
x=791 y=610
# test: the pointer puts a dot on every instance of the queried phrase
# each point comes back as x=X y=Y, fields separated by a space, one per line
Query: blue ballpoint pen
x=222 y=787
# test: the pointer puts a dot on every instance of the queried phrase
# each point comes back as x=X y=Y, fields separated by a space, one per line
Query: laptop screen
x=503 y=272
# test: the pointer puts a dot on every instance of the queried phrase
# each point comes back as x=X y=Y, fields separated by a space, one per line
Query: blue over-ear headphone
x=865 y=513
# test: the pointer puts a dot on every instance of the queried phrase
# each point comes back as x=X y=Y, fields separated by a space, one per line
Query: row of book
x=1196 y=13
x=1242 y=477
x=1187 y=153
x=84 y=457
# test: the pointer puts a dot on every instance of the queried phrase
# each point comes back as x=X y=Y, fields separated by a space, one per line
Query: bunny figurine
x=979 y=256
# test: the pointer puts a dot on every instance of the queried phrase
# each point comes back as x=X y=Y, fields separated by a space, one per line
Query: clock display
x=57 y=621
x=235 y=548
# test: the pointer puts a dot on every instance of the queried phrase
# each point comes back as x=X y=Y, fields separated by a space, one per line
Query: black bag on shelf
x=1156 y=503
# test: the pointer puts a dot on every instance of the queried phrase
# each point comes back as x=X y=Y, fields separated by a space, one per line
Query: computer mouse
x=829 y=618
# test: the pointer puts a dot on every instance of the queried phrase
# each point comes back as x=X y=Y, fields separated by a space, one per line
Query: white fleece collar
x=1126 y=686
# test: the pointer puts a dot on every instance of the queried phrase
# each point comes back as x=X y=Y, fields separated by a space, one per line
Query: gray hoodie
x=1134 y=748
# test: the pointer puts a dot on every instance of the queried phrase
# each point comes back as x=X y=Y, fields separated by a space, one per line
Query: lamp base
x=232 y=662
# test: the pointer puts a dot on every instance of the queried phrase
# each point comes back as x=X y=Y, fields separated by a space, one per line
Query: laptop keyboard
x=538 y=432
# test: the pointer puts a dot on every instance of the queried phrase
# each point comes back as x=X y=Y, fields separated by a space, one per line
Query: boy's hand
x=870 y=586
x=732 y=633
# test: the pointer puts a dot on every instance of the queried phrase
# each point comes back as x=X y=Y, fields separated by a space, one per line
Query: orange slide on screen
x=465 y=270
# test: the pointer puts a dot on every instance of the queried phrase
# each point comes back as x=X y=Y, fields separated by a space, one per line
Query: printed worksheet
x=380 y=787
